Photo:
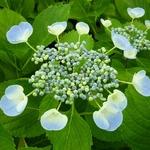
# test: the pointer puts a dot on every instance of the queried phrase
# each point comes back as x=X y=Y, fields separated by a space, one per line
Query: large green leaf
x=75 y=136
x=27 y=123
x=47 y=17
x=136 y=126
x=6 y=141
x=34 y=148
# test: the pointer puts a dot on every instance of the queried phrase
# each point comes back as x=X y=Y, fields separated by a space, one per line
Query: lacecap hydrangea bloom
x=141 y=83
x=14 y=101
x=53 y=120
x=19 y=33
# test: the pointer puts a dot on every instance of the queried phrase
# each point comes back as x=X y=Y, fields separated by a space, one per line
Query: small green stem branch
x=125 y=82
x=79 y=38
x=30 y=93
x=31 y=47
x=58 y=39
x=59 y=105
x=110 y=50
x=97 y=104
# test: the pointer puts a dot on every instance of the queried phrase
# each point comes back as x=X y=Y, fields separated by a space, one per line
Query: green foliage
x=76 y=135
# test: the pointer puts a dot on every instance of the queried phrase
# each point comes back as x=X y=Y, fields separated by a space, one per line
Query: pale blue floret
x=20 y=33
x=141 y=83
x=14 y=101
x=109 y=117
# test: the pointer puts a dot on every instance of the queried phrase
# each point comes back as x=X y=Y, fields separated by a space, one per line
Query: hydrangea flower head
x=82 y=28
x=53 y=120
x=136 y=12
x=118 y=98
x=141 y=83
x=130 y=54
x=106 y=23
x=147 y=23
x=14 y=101
x=19 y=33
x=57 y=28
x=108 y=117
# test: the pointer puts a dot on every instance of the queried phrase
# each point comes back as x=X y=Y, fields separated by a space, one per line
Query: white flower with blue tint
x=57 y=28
x=141 y=83
x=131 y=54
x=109 y=117
x=14 y=101
x=121 y=42
x=82 y=28
x=106 y=23
x=53 y=120
x=135 y=12
x=147 y=23
x=118 y=98
x=20 y=33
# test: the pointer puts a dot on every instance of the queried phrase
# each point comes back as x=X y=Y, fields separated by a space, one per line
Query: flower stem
x=79 y=38
x=58 y=39
x=110 y=50
x=97 y=104
x=30 y=93
x=125 y=82
x=59 y=105
x=31 y=47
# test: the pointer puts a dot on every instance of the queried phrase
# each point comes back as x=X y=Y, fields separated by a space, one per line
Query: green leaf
x=75 y=136
x=144 y=63
x=53 y=14
x=6 y=141
x=136 y=125
x=35 y=148
x=5 y=3
x=27 y=123
x=73 y=37
x=99 y=133
x=48 y=103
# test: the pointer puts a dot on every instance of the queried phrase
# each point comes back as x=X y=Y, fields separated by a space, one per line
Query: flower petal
x=20 y=33
x=147 y=23
x=53 y=120
x=141 y=83
x=120 y=41
x=135 y=12
x=118 y=98
x=131 y=54
x=57 y=28
x=106 y=23
x=82 y=28
x=21 y=106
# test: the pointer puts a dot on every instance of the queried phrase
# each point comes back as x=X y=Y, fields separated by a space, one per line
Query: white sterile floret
x=135 y=12
x=118 y=98
x=53 y=120
x=20 y=33
x=131 y=54
x=57 y=28
x=120 y=41
x=147 y=23
x=109 y=117
x=106 y=23
x=141 y=83
x=82 y=28
x=14 y=101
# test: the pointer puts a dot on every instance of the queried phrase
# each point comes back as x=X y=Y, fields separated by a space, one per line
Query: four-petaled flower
x=109 y=117
x=141 y=83
x=106 y=23
x=82 y=28
x=14 y=101
x=57 y=28
x=120 y=41
x=135 y=12
x=53 y=120
x=118 y=98
x=20 y=33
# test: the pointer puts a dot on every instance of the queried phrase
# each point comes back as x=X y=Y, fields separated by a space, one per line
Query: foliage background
x=15 y=68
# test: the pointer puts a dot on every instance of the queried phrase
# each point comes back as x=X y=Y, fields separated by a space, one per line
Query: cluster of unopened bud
x=136 y=37
x=71 y=71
